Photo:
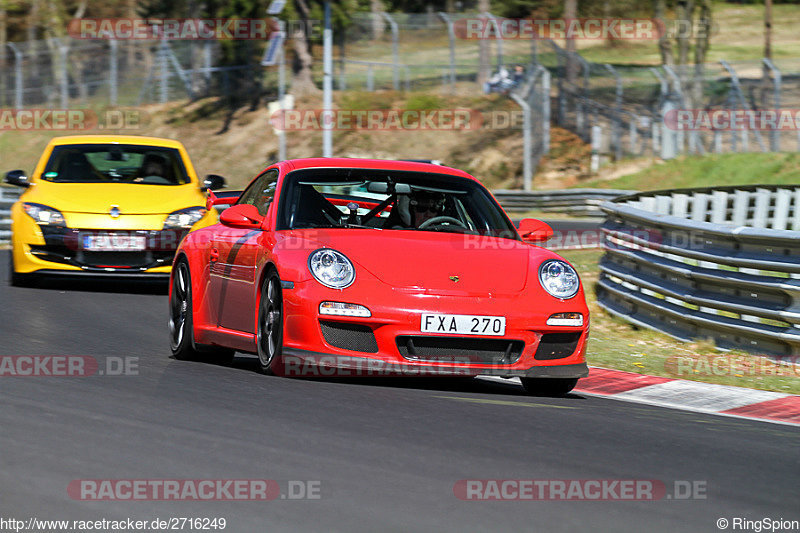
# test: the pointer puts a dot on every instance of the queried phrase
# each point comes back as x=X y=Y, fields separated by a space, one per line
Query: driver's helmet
x=154 y=165
x=425 y=205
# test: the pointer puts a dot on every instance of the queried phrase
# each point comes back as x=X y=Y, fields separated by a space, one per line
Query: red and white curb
x=693 y=396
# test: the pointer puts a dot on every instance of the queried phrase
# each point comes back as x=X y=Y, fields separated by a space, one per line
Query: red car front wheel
x=270 y=325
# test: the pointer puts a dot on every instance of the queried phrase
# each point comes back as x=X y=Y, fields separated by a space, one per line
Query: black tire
x=269 y=334
x=181 y=328
x=15 y=279
x=549 y=386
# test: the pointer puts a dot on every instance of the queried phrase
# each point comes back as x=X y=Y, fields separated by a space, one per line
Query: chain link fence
x=623 y=110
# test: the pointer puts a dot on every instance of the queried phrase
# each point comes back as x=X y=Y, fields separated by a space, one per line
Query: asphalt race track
x=385 y=453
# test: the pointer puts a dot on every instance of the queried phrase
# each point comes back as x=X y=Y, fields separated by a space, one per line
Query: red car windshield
x=389 y=200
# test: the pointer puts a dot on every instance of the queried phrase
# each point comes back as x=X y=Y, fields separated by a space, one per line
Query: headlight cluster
x=559 y=279
x=331 y=268
x=184 y=218
x=43 y=215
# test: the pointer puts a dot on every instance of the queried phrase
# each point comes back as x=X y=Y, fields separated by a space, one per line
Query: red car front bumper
x=390 y=341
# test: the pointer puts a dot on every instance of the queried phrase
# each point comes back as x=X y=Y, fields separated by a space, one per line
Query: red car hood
x=406 y=259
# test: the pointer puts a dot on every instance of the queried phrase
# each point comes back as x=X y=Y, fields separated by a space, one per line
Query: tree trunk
x=32 y=36
x=483 y=48
x=664 y=44
x=3 y=51
x=768 y=29
x=302 y=82
x=378 y=24
x=700 y=49
x=571 y=12
x=685 y=12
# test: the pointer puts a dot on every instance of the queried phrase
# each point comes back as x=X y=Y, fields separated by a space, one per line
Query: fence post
x=63 y=80
x=370 y=79
x=597 y=138
x=18 y=58
x=163 y=72
x=527 y=149
x=113 y=72
x=282 y=95
x=498 y=39
x=615 y=123
x=737 y=89
x=774 y=139
x=395 y=53
x=451 y=37
x=545 y=110
x=207 y=65
x=655 y=129
x=669 y=138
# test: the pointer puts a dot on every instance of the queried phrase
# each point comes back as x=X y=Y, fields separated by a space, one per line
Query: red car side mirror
x=242 y=216
x=532 y=230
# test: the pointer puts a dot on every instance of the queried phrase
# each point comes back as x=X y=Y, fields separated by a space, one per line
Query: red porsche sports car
x=370 y=267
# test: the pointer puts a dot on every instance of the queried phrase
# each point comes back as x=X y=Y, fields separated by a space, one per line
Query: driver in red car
x=425 y=205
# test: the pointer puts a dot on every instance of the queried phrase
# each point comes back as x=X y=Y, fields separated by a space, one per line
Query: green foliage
x=421 y=101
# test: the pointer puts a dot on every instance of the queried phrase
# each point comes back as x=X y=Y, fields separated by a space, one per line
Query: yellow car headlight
x=184 y=218
x=44 y=215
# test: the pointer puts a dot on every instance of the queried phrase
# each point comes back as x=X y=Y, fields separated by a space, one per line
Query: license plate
x=464 y=324
x=114 y=242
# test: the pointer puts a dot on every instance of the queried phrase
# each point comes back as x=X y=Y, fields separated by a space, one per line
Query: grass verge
x=707 y=171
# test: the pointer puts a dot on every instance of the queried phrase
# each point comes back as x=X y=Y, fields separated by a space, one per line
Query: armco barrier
x=579 y=202
x=7 y=198
x=720 y=263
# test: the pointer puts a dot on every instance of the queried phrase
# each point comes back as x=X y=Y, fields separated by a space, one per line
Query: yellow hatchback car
x=106 y=205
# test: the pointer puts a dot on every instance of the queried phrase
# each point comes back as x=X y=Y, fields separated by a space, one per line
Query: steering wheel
x=436 y=220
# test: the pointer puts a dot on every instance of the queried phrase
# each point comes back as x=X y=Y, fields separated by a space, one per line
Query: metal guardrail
x=719 y=263
x=580 y=202
x=7 y=198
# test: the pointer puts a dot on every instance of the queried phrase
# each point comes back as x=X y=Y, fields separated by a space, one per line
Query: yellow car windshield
x=115 y=163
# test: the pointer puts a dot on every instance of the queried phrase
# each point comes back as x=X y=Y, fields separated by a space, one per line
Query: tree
x=483 y=49
x=571 y=12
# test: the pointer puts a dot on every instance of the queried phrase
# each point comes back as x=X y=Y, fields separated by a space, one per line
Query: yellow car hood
x=131 y=198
